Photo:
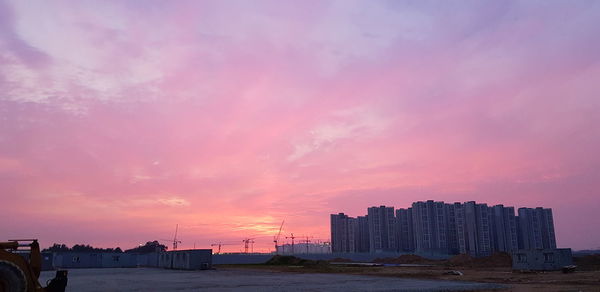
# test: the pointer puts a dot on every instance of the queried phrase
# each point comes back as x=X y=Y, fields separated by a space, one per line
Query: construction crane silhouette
x=292 y=237
x=276 y=238
x=248 y=241
x=219 y=246
x=307 y=241
x=175 y=241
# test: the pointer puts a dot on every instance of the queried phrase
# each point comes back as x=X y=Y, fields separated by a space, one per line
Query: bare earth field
x=512 y=281
x=247 y=279
x=288 y=273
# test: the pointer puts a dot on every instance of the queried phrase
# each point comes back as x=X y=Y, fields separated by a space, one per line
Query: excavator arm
x=18 y=274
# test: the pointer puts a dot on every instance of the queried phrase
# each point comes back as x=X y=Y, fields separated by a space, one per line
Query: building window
x=115 y=258
x=521 y=258
x=548 y=257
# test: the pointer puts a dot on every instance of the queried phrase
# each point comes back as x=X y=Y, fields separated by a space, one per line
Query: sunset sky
x=121 y=119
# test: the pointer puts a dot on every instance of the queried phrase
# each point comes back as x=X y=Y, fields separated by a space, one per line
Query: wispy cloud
x=233 y=116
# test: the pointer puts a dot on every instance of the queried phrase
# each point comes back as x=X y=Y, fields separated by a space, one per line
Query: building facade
x=503 y=228
x=536 y=228
x=343 y=230
x=477 y=229
x=362 y=234
x=430 y=227
x=404 y=230
x=434 y=227
x=382 y=229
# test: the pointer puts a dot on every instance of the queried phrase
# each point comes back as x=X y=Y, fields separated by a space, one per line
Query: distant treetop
x=150 y=246
x=80 y=248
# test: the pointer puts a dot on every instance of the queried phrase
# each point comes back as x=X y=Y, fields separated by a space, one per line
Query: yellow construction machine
x=20 y=267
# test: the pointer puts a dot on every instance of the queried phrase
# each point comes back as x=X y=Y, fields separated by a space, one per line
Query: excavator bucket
x=59 y=283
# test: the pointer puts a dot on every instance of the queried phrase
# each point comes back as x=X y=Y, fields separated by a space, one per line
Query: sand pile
x=460 y=260
x=497 y=260
x=280 y=260
x=406 y=259
x=340 y=260
x=587 y=262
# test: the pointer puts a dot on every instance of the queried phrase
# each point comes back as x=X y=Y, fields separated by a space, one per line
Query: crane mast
x=276 y=239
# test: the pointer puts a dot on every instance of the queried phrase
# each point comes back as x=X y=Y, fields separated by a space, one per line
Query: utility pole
x=292 y=237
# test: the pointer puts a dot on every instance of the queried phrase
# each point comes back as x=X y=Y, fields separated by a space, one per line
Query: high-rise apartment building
x=460 y=226
x=536 y=228
x=430 y=226
x=382 y=229
x=343 y=230
x=503 y=228
x=436 y=227
x=453 y=244
x=362 y=234
x=476 y=231
x=404 y=230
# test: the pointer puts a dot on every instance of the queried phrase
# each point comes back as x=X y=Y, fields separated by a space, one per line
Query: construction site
x=22 y=269
x=287 y=273
x=299 y=263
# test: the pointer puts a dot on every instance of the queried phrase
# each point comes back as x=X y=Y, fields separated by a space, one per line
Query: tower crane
x=174 y=240
x=292 y=237
x=219 y=246
x=276 y=238
x=247 y=242
x=306 y=241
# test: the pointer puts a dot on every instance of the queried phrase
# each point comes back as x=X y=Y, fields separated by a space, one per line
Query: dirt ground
x=287 y=273
x=514 y=281
x=236 y=279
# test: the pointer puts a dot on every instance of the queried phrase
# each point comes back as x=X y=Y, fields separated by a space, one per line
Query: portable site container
x=193 y=259
x=551 y=259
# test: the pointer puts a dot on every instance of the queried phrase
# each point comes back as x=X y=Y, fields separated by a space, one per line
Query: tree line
x=150 y=246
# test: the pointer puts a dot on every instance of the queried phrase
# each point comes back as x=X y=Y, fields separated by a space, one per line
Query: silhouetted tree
x=57 y=248
x=150 y=246
x=81 y=248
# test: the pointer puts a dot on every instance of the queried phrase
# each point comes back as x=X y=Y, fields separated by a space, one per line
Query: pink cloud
x=118 y=121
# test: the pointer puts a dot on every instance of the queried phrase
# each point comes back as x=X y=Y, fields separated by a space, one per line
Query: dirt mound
x=460 y=260
x=587 y=262
x=405 y=259
x=497 y=260
x=340 y=260
x=280 y=260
